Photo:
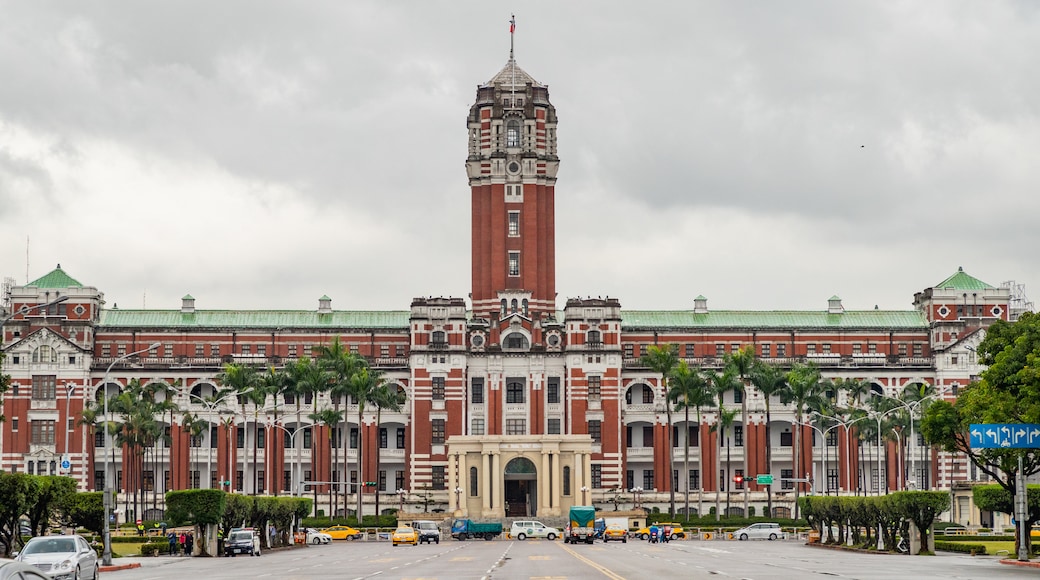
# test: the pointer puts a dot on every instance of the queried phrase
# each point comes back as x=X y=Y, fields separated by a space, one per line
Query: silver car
x=761 y=531
x=61 y=557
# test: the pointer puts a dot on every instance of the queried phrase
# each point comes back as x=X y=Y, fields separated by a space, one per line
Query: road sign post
x=766 y=479
x=1010 y=436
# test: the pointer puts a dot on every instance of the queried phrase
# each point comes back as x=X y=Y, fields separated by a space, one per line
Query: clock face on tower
x=513 y=167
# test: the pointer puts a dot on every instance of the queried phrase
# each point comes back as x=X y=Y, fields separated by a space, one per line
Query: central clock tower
x=512 y=166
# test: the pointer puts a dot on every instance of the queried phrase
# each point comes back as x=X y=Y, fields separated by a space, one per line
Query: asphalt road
x=545 y=560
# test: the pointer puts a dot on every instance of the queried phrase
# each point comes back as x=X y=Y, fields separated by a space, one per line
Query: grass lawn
x=993 y=547
x=126 y=549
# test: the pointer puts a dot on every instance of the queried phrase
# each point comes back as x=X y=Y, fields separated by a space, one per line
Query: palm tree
x=305 y=377
x=662 y=360
x=272 y=383
x=720 y=384
x=363 y=383
x=770 y=380
x=341 y=364
x=330 y=418
x=389 y=397
x=240 y=379
x=855 y=390
x=806 y=391
x=724 y=427
x=194 y=425
x=689 y=389
x=743 y=361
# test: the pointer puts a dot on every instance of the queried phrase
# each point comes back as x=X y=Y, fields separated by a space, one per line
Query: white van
x=523 y=529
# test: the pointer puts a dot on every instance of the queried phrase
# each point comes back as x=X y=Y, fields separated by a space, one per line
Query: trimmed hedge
x=154 y=548
x=979 y=549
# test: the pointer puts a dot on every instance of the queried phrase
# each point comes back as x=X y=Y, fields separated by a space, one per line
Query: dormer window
x=45 y=354
x=513 y=133
x=515 y=341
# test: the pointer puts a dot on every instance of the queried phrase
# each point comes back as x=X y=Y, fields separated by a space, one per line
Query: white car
x=315 y=537
x=61 y=557
x=761 y=531
x=523 y=529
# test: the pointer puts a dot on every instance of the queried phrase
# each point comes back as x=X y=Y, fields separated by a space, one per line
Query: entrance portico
x=532 y=475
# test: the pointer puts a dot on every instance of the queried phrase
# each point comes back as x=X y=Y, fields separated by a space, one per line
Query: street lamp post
x=638 y=493
x=106 y=556
x=913 y=407
x=69 y=389
x=400 y=506
x=210 y=406
x=296 y=453
x=848 y=445
x=458 y=498
x=823 y=436
x=584 y=490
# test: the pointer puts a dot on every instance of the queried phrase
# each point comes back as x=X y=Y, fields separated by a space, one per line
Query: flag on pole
x=512 y=23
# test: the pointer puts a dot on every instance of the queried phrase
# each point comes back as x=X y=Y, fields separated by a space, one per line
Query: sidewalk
x=129 y=562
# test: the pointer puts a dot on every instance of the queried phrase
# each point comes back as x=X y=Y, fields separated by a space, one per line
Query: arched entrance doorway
x=521 y=495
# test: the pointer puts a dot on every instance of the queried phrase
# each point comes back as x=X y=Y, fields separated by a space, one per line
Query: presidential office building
x=517 y=405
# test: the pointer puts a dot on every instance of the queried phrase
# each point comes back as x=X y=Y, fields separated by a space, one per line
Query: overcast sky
x=764 y=154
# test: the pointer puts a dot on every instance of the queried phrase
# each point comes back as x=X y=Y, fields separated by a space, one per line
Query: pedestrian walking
x=189 y=544
x=181 y=540
x=172 y=537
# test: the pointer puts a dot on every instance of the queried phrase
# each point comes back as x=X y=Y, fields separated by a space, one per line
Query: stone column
x=557 y=477
x=496 y=481
x=485 y=468
x=544 y=496
x=579 y=471
x=453 y=480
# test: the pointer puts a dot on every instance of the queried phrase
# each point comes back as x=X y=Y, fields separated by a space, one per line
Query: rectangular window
x=648 y=479
x=438 y=476
x=902 y=349
x=648 y=396
x=200 y=350
x=832 y=438
x=734 y=347
x=514 y=224
x=781 y=350
x=168 y=349
x=516 y=426
x=382 y=480
x=785 y=479
x=261 y=437
x=553 y=427
x=214 y=350
x=240 y=437
x=553 y=390
x=261 y=349
x=476 y=427
x=148 y=480
x=399 y=349
x=246 y=349
x=738 y=435
x=594 y=430
x=398 y=480
x=648 y=436
x=400 y=438
x=292 y=350
x=514 y=264
x=629 y=351
x=99 y=437
x=785 y=439
x=353 y=437
x=857 y=348
x=597 y=476
x=42 y=432
x=766 y=350
x=630 y=479
x=384 y=438
x=438 y=388
x=720 y=349
x=832 y=479
x=43 y=387
x=872 y=347
x=438 y=432
x=384 y=350
x=594 y=388
x=810 y=348
x=918 y=349
x=738 y=395
x=739 y=473
x=515 y=390
x=826 y=348
x=695 y=479
x=287 y=481
x=307 y=437
x=477 y=391
x=106 y=350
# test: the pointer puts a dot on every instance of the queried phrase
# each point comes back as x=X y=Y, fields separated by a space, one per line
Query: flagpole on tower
x=512 y=29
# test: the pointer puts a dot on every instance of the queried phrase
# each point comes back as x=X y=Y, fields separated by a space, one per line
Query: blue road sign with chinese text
x=1005 y=436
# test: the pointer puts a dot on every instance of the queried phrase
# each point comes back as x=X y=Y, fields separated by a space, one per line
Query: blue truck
x=462 y=529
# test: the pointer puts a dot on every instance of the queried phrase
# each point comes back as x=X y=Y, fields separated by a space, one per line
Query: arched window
x=524 y=303
x=513 y=133
x=594 y=337
x=438 y=337
x=516 y=391
x=474 y=483
x=504 y=307
x=45 y=354
x=513 y=305
x=515 y=340
x=628 y=397
x=566 y=480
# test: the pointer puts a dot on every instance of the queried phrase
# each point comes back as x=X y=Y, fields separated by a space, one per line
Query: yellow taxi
x=341 y=533
x=405 y=535
x=677 y=531
x=615 y=532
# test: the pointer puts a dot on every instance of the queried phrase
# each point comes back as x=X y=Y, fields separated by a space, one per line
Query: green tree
x=743 y=361
x=240 y=379
x=771 y=381
x=1008 y=391
x=341 y=365
x=87 y=510
x=331 y=418
x=724 y=428
x=662 y=360
x=720 y=384
x=363 y=383
x=688 y=388
x=805 y=390
x=18 y=491
x=304 y=378
x=52 y=494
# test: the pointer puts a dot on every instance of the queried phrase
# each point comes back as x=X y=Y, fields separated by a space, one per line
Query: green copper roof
x=962 y=281
x=56 y=278
x=255 y=319
x=909 y=319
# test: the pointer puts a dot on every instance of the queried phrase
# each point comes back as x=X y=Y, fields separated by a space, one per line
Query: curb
x=116 y=568
x=1025 y=564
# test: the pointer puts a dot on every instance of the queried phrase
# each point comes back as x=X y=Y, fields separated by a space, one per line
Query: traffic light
x=738 y=479
x=370 y=484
